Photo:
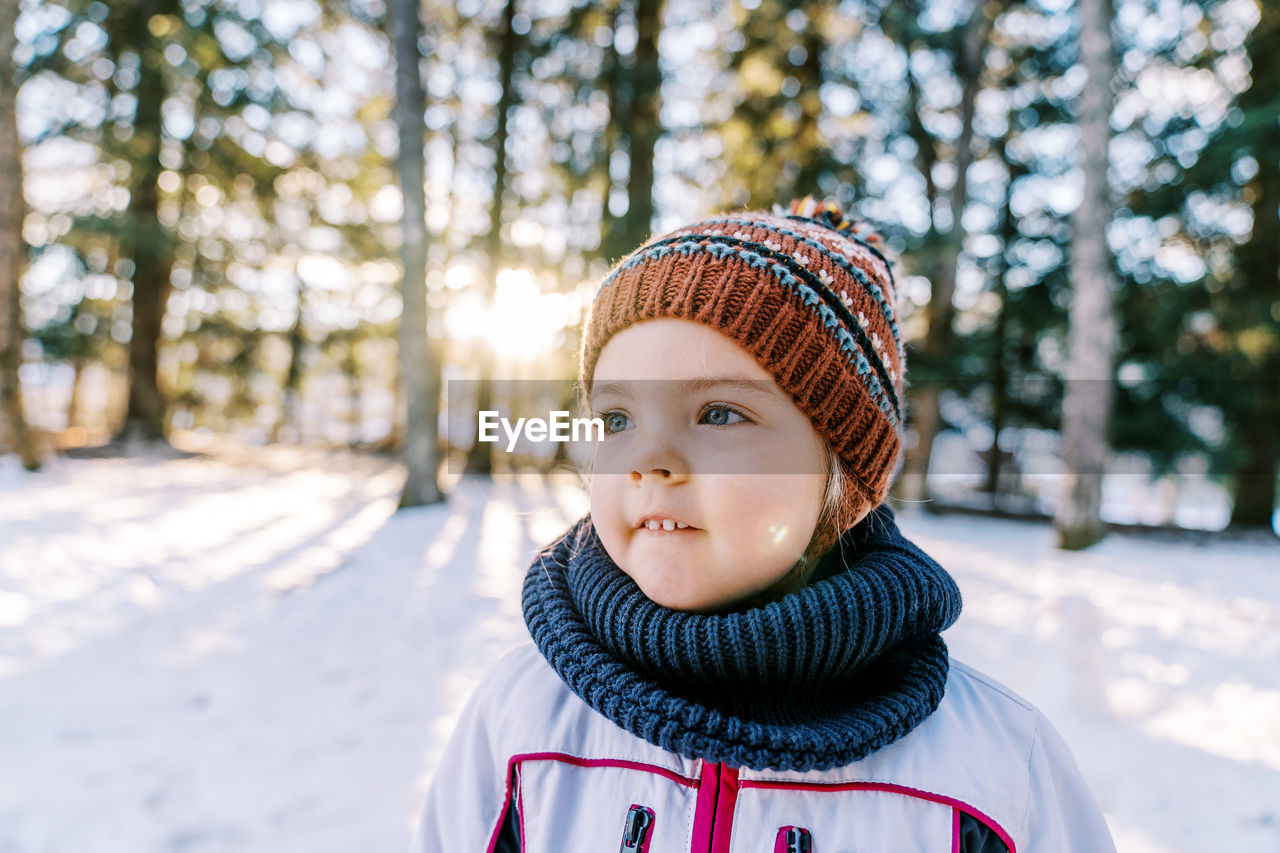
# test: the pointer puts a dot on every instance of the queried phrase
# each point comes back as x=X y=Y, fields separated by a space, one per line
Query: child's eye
x=718 y=415
x=613 y=422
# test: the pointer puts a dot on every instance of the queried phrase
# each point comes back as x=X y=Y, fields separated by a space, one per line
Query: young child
x=736 y=649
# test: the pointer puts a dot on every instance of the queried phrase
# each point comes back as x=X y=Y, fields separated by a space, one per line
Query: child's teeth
x=665 y=524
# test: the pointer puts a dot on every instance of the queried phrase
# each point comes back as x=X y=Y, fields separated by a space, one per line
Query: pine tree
x=1209 y=345
x=1253 y=315
x=180 y=88
x=931 y=355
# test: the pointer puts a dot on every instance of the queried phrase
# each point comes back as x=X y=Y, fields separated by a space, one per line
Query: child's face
x=744 y=467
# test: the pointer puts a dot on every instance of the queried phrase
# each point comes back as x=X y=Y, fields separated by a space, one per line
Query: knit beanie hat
x=808 y=293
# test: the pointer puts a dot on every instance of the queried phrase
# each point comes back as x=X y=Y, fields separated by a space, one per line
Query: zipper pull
x=635 y=834
x=793 y=839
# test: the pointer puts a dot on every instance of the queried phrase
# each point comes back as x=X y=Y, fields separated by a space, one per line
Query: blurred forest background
x=225 y=238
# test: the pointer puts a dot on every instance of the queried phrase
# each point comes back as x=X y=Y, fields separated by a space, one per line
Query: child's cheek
x=607 y=513
x=782 y=529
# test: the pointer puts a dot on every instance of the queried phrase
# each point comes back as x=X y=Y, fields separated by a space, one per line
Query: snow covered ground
x=256 y=653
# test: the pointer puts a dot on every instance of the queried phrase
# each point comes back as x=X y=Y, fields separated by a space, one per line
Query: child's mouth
x=659 y=525
x=644 y=531
x=664 y=527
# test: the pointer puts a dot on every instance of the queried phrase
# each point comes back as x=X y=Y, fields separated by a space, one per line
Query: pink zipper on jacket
x=713 y=811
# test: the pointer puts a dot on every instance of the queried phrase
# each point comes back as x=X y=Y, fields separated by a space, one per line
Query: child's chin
x=685 y=606
x=672 y=597
x=686 y=600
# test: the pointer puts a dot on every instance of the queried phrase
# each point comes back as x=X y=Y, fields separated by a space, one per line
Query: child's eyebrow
x=685 y=387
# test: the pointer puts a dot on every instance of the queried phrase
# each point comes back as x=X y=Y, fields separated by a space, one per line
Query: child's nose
x=658 y=473
x=659 y=459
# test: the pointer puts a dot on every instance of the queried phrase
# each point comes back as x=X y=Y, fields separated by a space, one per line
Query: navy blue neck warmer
x=817 y=679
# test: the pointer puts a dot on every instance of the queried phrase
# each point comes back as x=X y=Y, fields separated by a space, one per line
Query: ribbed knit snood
x=817 y=679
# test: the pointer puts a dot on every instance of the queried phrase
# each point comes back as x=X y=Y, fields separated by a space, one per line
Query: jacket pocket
x=574 y=804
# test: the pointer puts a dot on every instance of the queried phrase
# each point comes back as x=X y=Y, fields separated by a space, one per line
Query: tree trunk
x=999 y=365
x=1258 y=263
x=419 y=365
x=999 y=377
x=147 y=244
x=910 y=485
x=480 y=456
x=926 y=418
x=1086 y=404
x=13 y=426
x=612 y=233
x=506 y=100
x=643 y=122
x=479 y=460
x=291 y=390
x=812 y=76
x=1255 y=483
x=74 y=402
x=355 y=417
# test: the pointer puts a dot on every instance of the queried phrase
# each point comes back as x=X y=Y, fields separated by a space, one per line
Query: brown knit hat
x=808 y=293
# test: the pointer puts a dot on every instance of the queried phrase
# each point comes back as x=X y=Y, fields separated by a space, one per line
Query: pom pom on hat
x=829 y=213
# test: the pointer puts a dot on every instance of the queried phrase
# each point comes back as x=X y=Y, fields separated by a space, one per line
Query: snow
x=256 y=652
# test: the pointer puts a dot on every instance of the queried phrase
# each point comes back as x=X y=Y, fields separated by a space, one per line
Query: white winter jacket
x=581 y=784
